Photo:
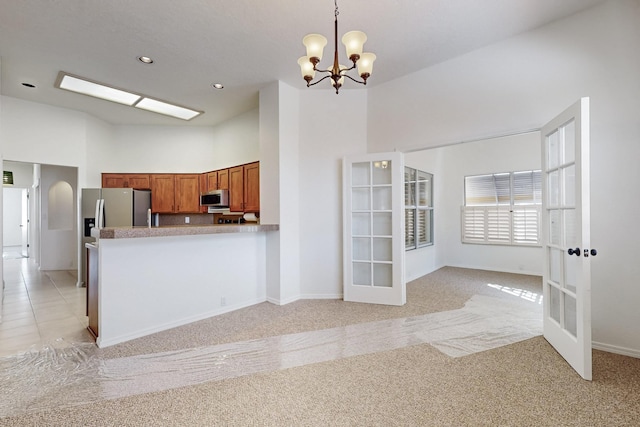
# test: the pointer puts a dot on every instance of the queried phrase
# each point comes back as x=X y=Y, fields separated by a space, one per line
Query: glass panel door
x=374 y=229
x=566 y=236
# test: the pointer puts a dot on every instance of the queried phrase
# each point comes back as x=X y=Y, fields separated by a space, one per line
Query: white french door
x=566 y=236
x=373 y=199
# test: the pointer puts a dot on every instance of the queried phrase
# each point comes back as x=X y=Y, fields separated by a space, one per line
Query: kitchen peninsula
x=153 y=279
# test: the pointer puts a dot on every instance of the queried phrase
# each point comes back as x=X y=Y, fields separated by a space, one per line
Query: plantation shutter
x=502 y=208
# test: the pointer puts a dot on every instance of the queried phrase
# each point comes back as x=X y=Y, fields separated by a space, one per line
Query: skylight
x=84 y=86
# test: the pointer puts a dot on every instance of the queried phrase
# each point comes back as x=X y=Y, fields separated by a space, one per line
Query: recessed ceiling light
x=217 y=85
x=145 y=59
x=28 y=85
x=87 y=87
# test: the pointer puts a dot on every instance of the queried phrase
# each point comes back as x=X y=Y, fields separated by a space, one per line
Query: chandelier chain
x=337 y=13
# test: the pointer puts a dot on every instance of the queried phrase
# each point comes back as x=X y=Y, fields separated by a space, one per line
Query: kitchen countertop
x=182 y=230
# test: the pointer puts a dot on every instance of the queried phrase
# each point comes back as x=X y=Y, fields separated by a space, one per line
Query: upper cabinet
x=175 y=193
x=163 y=190
x=223 y=179
x=126 y=180
x=180 y=193
x=244 y=188
x=212 y=180
x=236 y=189
x=252 y=187
x=187 y=194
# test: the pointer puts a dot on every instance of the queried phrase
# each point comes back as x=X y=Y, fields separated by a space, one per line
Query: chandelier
x=353 y=41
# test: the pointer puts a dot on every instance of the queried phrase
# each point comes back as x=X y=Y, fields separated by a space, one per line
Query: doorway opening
x=16 y=219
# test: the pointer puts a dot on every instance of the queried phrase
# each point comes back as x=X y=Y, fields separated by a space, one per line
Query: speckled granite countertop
x=182 y=230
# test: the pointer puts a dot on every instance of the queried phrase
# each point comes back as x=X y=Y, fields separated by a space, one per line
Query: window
x=418 y=208
x=502 y=208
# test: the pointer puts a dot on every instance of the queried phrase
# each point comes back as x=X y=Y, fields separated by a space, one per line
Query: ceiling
x=243 y=44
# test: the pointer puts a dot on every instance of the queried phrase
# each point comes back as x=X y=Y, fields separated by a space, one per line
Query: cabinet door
x=252 y=187
x=162 y=193
x=212 y=180
x=112 y=180
x=137 y=181
x=187 y=194
x=204 y=187
x=236 y=189
x=223 y=179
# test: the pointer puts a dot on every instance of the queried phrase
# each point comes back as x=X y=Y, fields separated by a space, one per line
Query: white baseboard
x=616 y=349
x=303 y=296
x=502 y=270
x=321 y=296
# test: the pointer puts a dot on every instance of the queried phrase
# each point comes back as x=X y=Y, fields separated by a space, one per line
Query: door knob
x=594 y=252
x=575 y=251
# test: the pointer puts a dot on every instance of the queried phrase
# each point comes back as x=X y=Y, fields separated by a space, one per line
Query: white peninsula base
x=150 y=284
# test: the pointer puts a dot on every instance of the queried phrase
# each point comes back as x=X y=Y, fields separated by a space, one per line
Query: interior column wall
x=331 y=127
x=279 y=196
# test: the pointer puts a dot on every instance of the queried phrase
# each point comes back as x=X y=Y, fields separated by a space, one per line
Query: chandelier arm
x=322 y=71
x=348 y=69
x=357 y=81
x=315 y=83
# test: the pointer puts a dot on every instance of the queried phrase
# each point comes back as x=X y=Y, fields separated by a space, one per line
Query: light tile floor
x=40 y=308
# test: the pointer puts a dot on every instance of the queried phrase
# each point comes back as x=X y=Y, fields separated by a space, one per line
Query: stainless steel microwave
x=217 y=198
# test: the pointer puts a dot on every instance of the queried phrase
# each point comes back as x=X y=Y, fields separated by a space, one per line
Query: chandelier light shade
x=353 y=42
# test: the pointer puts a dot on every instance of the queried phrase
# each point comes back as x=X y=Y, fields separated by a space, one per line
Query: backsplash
x=179 y=219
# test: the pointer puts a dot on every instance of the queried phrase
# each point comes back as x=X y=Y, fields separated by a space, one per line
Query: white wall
x=99 y=139
x=58 y=246
x=235 y=141
x=522 y=83
x=38 y=133
x=331 y=127
x=279 y=204
x=179 y=149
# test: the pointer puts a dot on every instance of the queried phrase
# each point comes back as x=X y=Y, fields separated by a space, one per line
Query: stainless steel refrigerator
x=121 y=207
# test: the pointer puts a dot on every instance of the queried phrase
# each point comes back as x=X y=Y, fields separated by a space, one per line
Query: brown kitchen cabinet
x=175 y=193
x=204 y=187
x=212 y=181
x=223 y=179
x=187 y=193
x=236 y=189
x=126 y=180
x=252 y=187
x=163 y=191
x=244 y=188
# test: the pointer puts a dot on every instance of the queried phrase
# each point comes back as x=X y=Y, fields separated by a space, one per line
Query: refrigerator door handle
x=99 y=214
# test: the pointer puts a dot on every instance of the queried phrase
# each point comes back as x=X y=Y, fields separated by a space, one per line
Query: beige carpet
x=526 y=383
